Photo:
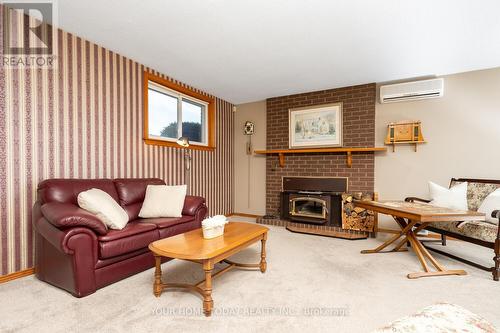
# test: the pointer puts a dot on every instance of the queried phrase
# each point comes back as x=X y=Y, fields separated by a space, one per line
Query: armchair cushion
x=476 y=192
x=191 y=204
x=481 y=230
x=67 y=215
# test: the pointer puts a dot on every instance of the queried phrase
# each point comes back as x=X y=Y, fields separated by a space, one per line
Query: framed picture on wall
x=315 y=126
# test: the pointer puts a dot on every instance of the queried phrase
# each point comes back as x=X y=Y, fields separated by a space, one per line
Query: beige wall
x=250 y=170
x=462 y=130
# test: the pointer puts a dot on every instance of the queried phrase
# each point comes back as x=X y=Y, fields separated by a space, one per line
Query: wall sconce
x=183 y=141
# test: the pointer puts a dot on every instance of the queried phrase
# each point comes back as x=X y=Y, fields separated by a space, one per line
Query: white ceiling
x=250 y=50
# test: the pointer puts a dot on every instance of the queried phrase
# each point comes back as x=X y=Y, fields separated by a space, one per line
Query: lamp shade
x=183 y=141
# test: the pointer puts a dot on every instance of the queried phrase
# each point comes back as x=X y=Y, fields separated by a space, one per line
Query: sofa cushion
x=165 y=222
x=133 y=237
x=179 y=228
x=481 y=230
x=67 y=190
x=132 y=228
x=131 y=193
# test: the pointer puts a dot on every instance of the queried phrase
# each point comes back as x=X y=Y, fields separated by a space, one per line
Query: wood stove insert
x=313 y=200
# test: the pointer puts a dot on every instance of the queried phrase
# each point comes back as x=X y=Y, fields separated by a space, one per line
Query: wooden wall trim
x=17 y=275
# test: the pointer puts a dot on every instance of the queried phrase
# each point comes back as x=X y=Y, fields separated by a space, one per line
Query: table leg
x=418 y=251
x=263 y=263
x=423 y=254
x=399 y=247
x=404 y=229
x=208 y=303
x=157 y=287
x=405 y=239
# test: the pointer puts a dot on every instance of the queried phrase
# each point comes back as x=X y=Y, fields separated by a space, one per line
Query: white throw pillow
x=104 y=207
x=453 y=198
x=163 y=201
x=491 y=203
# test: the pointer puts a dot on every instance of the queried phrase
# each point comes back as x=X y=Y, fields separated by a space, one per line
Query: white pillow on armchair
x=453 y=198
x=491 y=203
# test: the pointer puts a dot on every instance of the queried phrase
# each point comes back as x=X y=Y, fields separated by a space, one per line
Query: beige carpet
x=313 y=284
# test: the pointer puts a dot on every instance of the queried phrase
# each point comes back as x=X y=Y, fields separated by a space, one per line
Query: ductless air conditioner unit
x=410 y=91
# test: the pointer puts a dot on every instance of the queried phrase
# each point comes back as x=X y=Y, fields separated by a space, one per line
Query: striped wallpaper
x=83 y=119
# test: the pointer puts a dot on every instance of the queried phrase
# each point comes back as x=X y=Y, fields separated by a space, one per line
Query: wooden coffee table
x=411 y=218
x=192 y=246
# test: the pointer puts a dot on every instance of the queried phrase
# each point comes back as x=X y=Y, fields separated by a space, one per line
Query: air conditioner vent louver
x=411 y=91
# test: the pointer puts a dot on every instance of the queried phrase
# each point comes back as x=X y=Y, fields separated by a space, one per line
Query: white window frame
x=180 y=96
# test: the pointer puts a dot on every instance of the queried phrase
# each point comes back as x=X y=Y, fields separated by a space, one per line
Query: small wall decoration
x=249 y=130
x=404 y=132
x=315 y=126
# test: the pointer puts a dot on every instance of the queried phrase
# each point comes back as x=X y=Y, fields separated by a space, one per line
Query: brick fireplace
x=358 y=131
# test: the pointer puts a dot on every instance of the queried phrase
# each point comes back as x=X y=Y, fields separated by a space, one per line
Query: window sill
x=175 y=145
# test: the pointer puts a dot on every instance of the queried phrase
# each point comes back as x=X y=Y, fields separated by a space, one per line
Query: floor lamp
x=183 y=141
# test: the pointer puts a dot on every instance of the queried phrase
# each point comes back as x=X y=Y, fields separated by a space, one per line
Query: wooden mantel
x=282 y=152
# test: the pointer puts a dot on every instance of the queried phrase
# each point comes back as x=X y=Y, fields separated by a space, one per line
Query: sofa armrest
x=413 y=199
x=66 y=258
x=63 y=240
x=66 y=216
x=192 y=204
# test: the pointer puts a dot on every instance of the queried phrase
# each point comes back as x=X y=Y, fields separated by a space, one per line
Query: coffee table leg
x=208 y=303
x=263 y=263
x=157 y=287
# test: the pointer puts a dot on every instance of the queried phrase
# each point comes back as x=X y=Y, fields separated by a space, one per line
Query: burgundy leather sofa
x=76 y=252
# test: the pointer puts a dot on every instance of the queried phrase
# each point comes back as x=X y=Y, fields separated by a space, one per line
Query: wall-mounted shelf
x=393 y=144
x=349 y=151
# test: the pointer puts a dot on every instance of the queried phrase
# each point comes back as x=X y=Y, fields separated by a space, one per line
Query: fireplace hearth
x=313 y=205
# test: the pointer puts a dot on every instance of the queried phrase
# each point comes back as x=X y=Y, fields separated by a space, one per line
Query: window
x=172 y=111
